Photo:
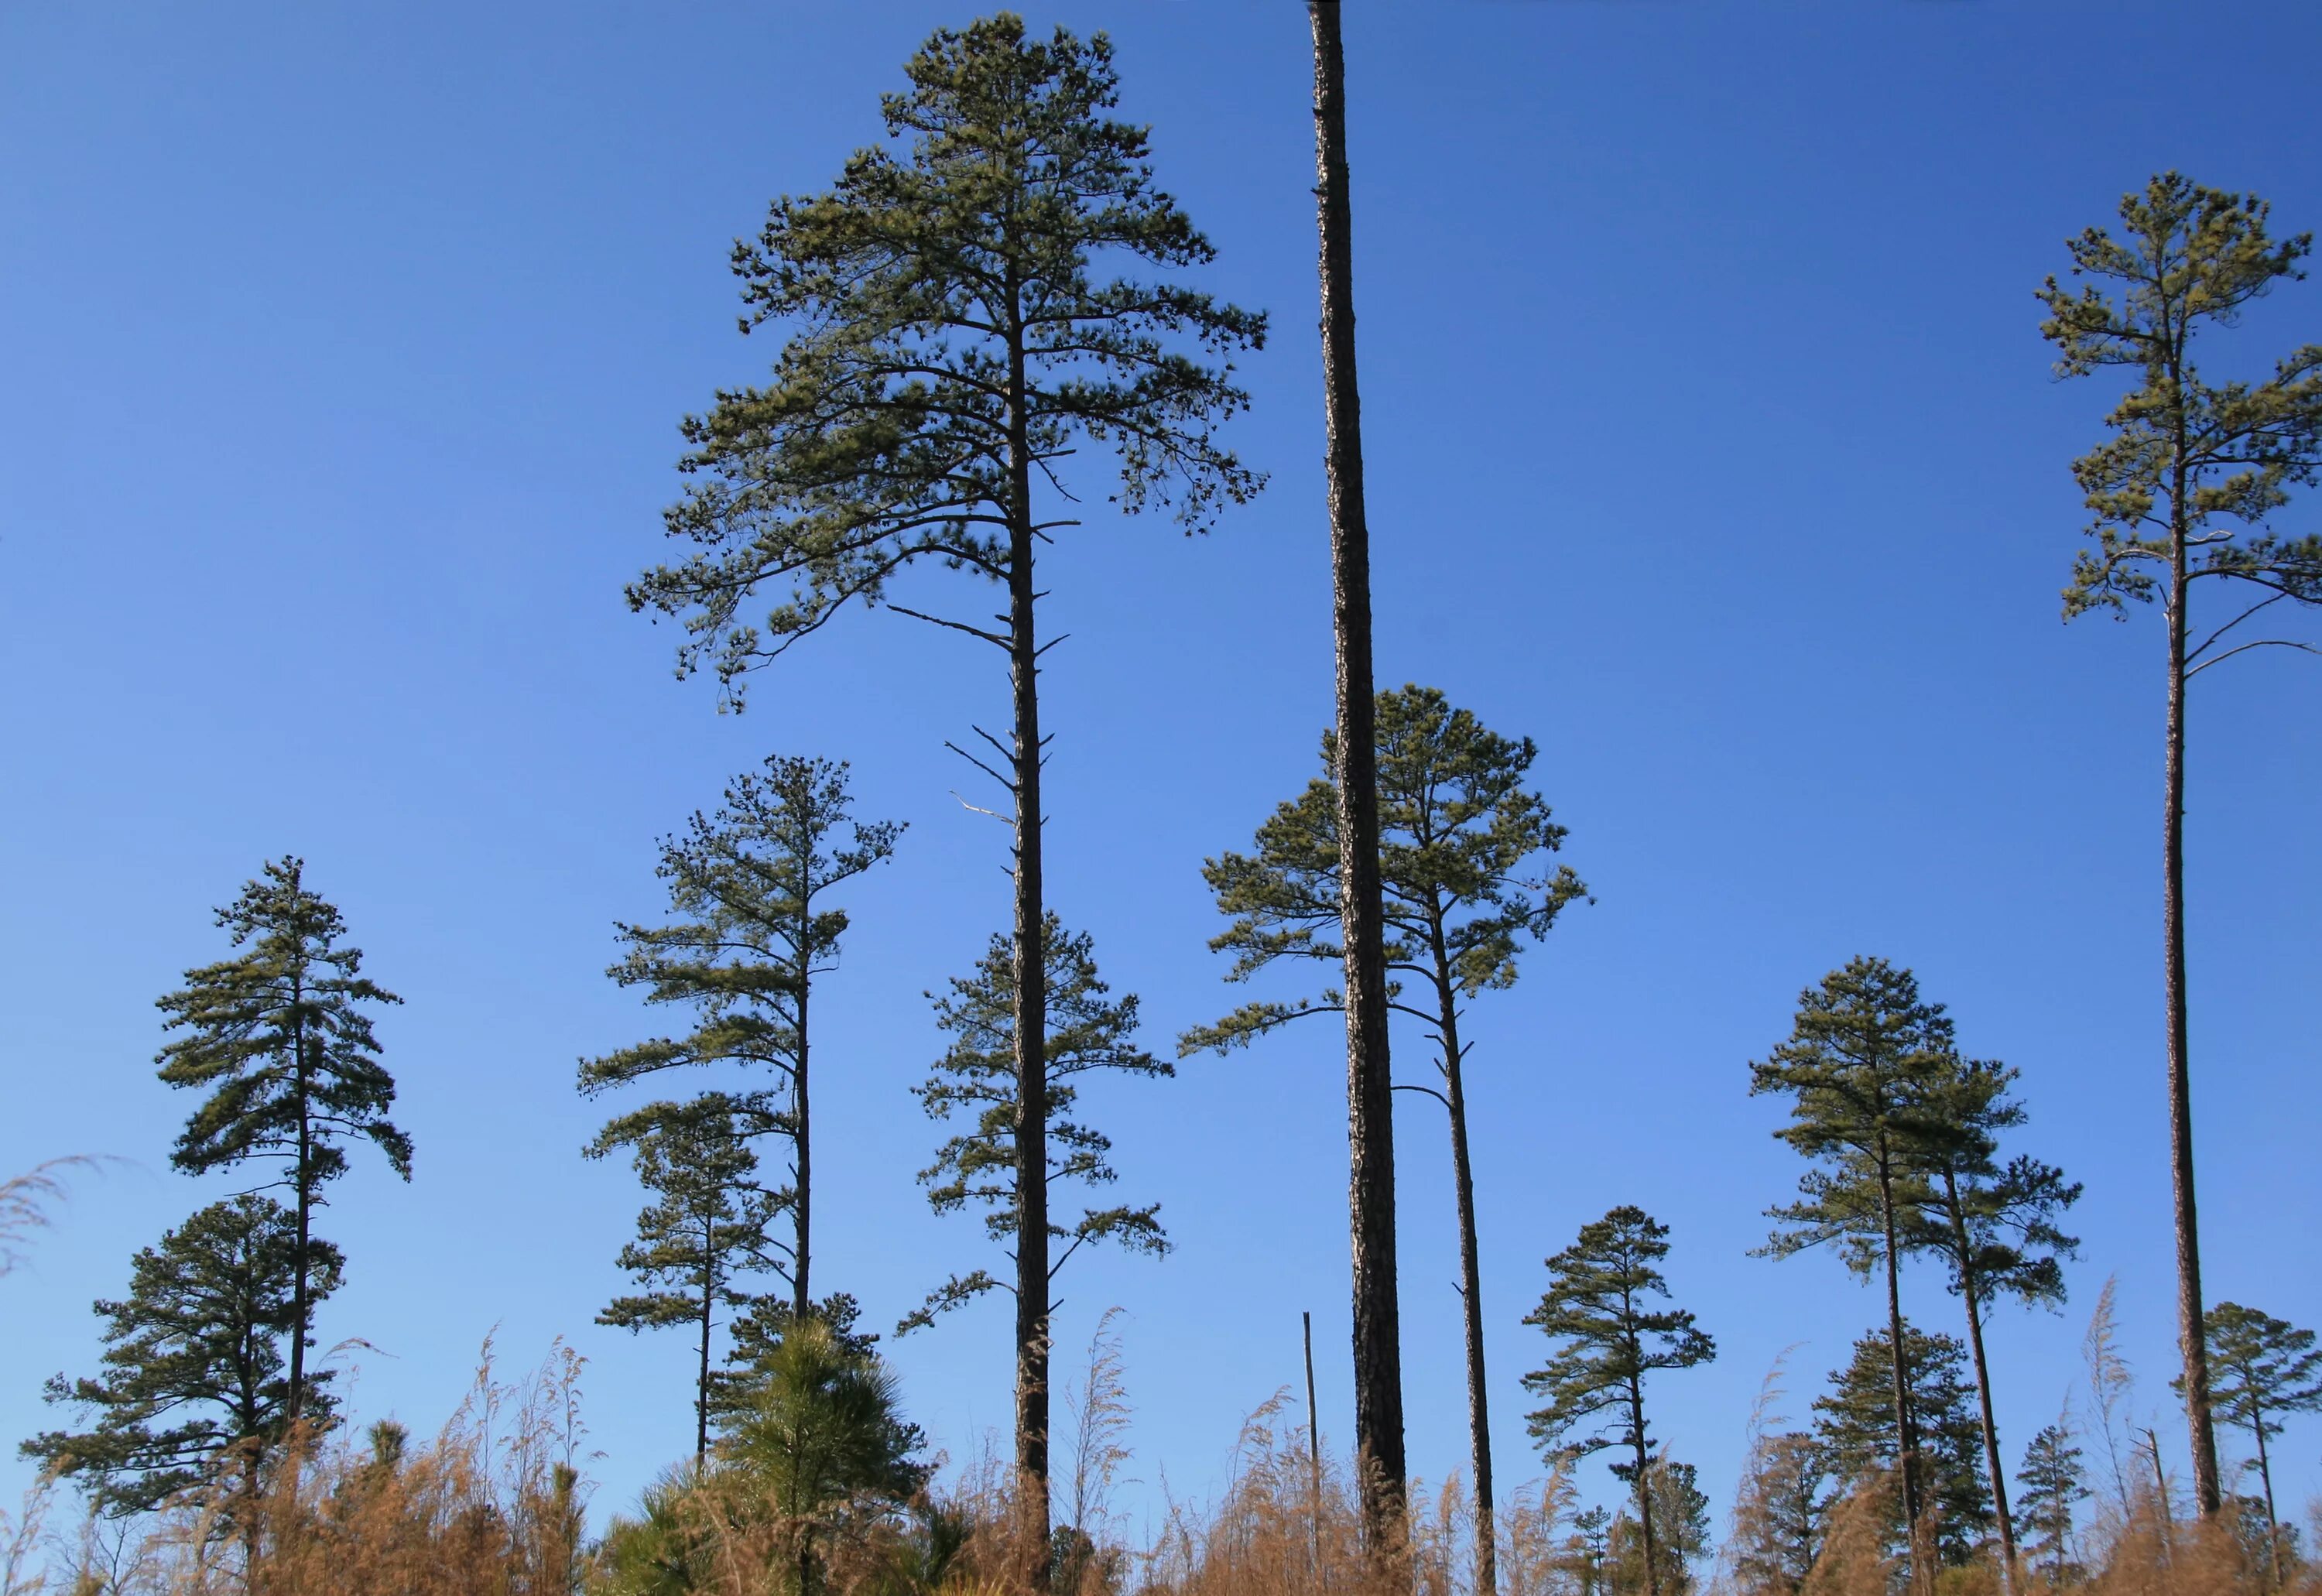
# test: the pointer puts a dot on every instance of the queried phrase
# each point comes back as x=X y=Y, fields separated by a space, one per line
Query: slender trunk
x=1644 y=1482
x=802 y=1204
x=2161 y=1498
x=1471 y=1278
x=1907 y=1438
x=702 y=1380
x=1968 y=1289
x=1313 y=1451
x=1031 y=974
x=303 y=1177
x=1370 y=1125
x=2190 y=1341
x=2265 y=1480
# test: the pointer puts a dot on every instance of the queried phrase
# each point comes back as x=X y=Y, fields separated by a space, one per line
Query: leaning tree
x=2183 y=493
x=954 y=338
x=1463 y=867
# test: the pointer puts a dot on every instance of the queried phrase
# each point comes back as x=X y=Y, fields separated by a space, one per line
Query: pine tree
x=1460 y=837
x=1995 y=1228
x=1681 y=1518
x=823 y=1438
x=1777 y=1517
x=706 y=1232
x=2182 y=493
x=1858 y=1431
x=1380 y=1464
x=1595 y=1307
x=2053 y=1484
x=949 y=348
x=748 y=935
x=278 y=1034
x=196 y=1394
x=2261 y=1368
x=1865 y=1067
x=1089 y=1030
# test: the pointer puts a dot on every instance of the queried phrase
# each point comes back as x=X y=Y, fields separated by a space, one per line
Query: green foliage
x=668 y=1549
x=1858 y=1431
x=823 y=1429
x=1088 y=1030
x=948 y=341
x=2262 y=1367
x=1680 y=1532
x=1993 y=1225
x=2053 y=1484
x=1595 y=1306
x=278 y=1034
x=195 y=1390
x=1778 y=1518
x=1462 y=847
x=2188 y=464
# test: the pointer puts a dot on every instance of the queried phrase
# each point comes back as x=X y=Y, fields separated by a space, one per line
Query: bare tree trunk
x=802 y=1142
x=1906 y=1438
x=1970 y=1285
x=2265 y=1479
x=1370 y=1125
x=1471 y=1276
x=1313 y=1452
x=1031 y=1021
x=2192 y=1342
x=301 y=1307
x=701 y=1380
x=1644 y=1485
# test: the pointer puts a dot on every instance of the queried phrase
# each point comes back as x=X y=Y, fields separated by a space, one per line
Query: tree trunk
x=1645 y=1483
x=802 y=1204
x=1969 y=1285
x=2265 y=1479
x=300 y=1308
x=1370 y=1126
x=1471 y=1280
x=1030 y=1020
x=701 y=1378
x=1906 y=1438
x=2191 y=1340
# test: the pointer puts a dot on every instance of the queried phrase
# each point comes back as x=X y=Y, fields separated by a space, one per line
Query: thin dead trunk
x=1969 y=1286
x=1030 y=1020
x=801 y=1141
x=1644 y=1475
x=1471 y=1278
x=1370 y=1127
x=300 y=1307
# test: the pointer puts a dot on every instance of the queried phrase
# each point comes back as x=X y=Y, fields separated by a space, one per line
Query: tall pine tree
x=950 y=345
x=704 y=1232
x=978 y=1169
x=194 y=1394
x=2261 y=1368
x=1462 y=866
x=2183 y=493
x=749 y=931
x=1597 y=1310
x=1864 y=1068
x=279 y=1036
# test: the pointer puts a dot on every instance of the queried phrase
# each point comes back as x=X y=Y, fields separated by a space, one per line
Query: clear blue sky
x=1712 y=444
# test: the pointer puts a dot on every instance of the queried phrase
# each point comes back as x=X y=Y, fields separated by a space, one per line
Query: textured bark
x=301 y=1307
x=1031 y=974
x=2206 y=1497
x=1370 y=1130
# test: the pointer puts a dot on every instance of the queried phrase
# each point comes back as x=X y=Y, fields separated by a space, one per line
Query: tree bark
x=701 y=1377
x=1370 y=1127
x=1644 y=1477
x=300 y=1307
x=801 y=1142
x=2265 y=1479
x=1471 y=1278
x=1906 y=1432
x=1030 y=1020
x=2192 y=1342
x=1968 y=1289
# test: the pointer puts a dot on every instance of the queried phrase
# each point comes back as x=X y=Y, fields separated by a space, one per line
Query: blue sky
x=1711 y=444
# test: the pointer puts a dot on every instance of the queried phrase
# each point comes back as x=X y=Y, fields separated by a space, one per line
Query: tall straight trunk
x=1471 y=1277
x=1644 y=1476
x=1907 y=1436
x=300 y=1307
x=1032 y=972
x=701 y=1377
x=1370 y=1124
x=2265 y=1480
x=1970 y=1290
x=2206 y=1497
x=801 y=1141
